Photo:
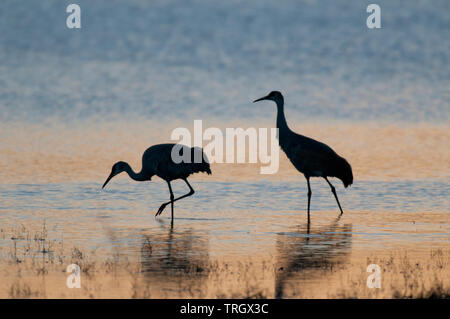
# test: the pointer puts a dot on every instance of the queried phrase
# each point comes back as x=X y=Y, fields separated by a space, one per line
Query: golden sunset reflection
x=37 y=154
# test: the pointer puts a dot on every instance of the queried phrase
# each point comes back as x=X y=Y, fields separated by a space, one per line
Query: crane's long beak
x=108 y=179
x=263 y=98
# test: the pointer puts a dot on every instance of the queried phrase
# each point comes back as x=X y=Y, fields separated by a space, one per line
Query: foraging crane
x=310 y=157
x=157 y=160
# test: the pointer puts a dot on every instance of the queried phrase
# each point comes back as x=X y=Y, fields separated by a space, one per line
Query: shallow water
x=233 y=218
x=228 y=236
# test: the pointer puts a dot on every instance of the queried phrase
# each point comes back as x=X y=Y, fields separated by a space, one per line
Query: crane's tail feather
x=203 y=166
x=343 y=171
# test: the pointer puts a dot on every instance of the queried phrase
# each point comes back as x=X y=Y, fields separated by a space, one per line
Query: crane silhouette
x=310 y=157
x=157 y=160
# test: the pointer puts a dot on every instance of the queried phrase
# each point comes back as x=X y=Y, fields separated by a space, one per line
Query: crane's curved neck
x=281 y=119
x=136 y=176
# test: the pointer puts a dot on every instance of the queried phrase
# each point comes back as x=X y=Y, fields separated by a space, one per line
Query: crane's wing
x=311 y=157
x=314 y=158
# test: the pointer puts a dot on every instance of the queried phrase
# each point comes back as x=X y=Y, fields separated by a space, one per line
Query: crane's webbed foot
x=161 y=209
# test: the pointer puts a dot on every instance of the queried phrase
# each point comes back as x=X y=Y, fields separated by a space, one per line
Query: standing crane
x=157 y=160
x=310 y=157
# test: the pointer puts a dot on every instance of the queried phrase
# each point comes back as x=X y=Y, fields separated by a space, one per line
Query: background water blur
x=73 y=102
x=189 y=59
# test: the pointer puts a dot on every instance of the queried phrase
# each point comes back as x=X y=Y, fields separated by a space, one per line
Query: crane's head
x=117 y=168
x=275 y=96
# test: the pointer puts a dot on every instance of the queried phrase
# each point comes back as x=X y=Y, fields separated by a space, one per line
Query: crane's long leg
x=333 y=190
x=309 y=198
x=173 y=200
x=171 y=203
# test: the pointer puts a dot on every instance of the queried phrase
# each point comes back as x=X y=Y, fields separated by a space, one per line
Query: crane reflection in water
x=175 y=263
x=302 y=250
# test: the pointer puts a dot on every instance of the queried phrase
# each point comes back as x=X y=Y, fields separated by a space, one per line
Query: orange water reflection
x=40 y=154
